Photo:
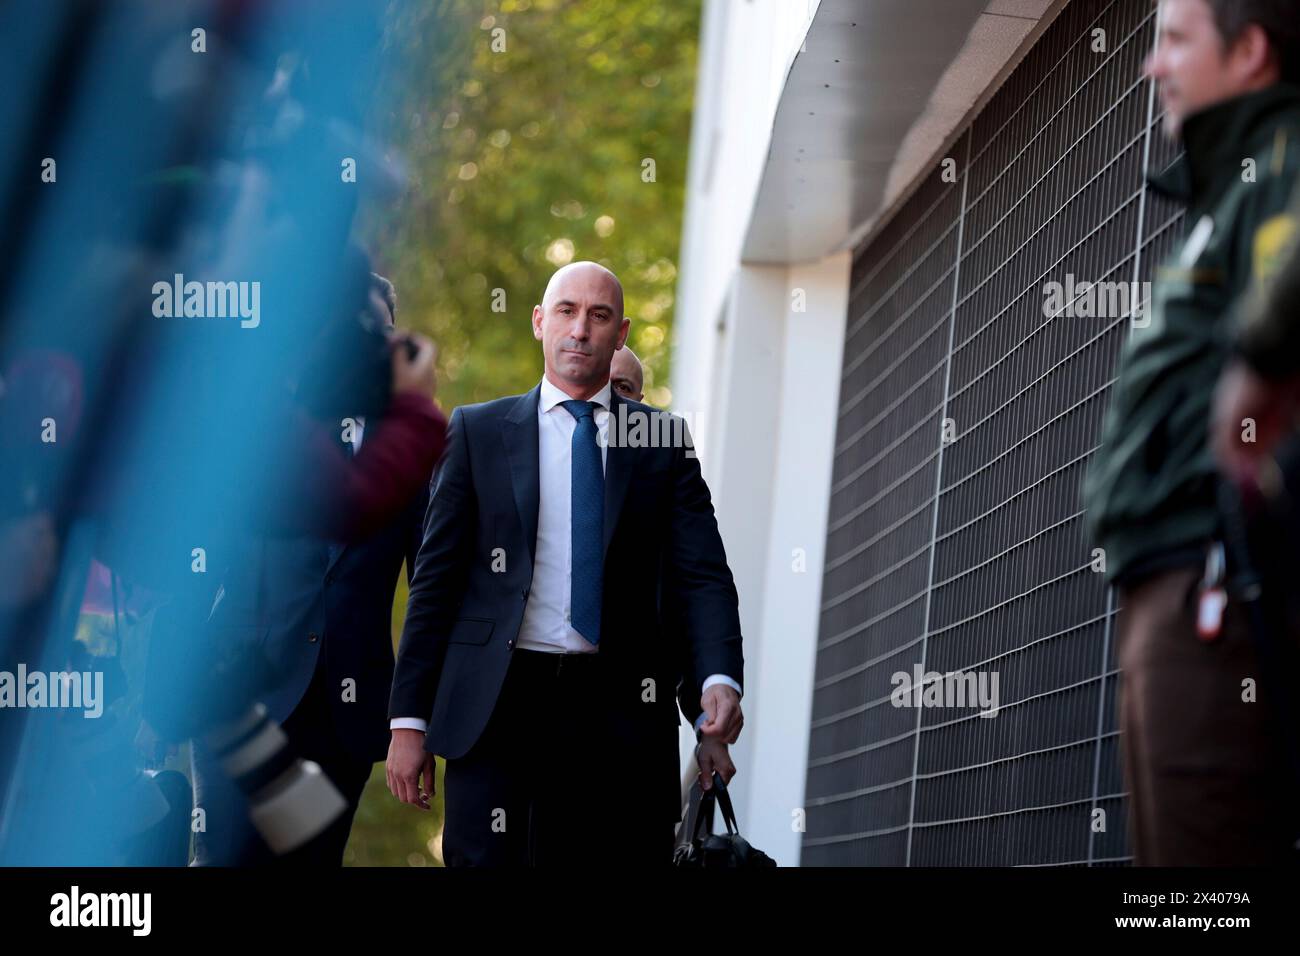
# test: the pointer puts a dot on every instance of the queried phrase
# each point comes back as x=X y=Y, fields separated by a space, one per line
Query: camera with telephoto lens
x=290 y=800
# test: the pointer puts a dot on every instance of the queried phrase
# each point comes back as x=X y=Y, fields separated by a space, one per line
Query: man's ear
x=622 y=332
x=537 y=322
x=1255 y=54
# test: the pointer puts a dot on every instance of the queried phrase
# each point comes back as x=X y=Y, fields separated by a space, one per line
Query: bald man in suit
x=535 y=656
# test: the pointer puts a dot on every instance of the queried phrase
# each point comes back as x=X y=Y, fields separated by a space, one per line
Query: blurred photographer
x=324 y=607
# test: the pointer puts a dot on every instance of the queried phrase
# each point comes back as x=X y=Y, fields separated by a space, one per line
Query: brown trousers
x=1205 y=769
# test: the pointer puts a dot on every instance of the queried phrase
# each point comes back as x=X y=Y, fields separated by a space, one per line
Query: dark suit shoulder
x=490 y=409
x=627 y=414
x=636 y=406
x=654 y=429
x=644 y=409
x=495 y=409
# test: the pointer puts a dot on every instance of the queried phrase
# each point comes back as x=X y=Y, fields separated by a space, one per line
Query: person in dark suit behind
x=327 y=608
x=534 y=657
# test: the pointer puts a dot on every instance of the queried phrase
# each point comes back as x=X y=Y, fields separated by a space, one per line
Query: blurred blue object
x=156 y=154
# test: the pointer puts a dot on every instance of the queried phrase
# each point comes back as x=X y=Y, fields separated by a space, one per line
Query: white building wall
x=746 y=50
x=757 y=360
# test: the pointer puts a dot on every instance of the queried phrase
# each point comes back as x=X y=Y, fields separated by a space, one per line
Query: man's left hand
x=722 y=715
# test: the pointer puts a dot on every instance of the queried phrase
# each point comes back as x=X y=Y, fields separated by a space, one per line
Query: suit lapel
x=618 y=470
x=519 y=432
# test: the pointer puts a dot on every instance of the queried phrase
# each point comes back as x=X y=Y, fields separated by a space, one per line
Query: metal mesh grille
x=971 y=554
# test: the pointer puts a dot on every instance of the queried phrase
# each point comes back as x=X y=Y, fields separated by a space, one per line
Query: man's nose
x=1151 y=66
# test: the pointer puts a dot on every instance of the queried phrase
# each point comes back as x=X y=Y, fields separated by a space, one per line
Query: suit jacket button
x=510 y=645
x=524 y=594
x=312 y=637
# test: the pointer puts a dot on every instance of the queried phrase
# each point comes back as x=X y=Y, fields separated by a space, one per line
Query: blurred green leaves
x=525 y=125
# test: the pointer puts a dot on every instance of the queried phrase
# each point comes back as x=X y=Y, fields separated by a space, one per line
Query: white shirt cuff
x=408 y=723
x=720 y=679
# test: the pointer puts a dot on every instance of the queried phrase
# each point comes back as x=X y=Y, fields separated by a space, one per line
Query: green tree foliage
x=530 y=129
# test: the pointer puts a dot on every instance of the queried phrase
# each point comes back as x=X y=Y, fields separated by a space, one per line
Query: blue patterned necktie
x=587 y=523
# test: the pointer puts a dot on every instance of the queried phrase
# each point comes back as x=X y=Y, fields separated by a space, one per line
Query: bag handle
x=718 y=794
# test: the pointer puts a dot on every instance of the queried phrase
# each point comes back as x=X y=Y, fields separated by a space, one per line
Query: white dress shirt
x=546 y=625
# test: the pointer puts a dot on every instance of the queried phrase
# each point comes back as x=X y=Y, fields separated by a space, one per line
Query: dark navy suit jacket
x=463 y=617
x=332 y=606
x=307 y=604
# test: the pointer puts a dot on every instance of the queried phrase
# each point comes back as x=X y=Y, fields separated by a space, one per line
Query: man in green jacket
x=1198 y=758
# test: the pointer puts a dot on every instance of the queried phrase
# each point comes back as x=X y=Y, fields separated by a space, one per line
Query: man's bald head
x=626 y=374
x=585 y=273
x=580 y=324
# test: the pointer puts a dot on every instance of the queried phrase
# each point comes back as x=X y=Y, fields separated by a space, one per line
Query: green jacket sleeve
x=1268 y=336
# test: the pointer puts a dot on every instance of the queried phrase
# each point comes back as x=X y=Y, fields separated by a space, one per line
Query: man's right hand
x=1243 y=397
x=723 y=717
x=407 y=762
x=413 y=374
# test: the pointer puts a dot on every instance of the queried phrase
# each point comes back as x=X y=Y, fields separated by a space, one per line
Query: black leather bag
x=705 y=849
